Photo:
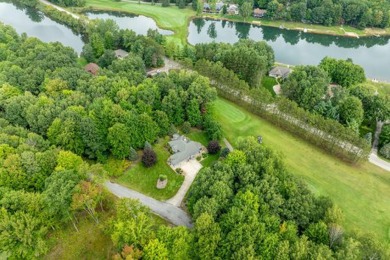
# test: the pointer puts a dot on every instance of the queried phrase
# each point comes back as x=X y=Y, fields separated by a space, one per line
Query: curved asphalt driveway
x=171 y=213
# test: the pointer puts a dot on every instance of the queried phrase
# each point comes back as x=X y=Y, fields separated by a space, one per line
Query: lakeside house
x=121 y=54
x=232 y=9
x=207 y=7
x=92 y=68
x=280 y=72
x=183 y=149
x=259 y=13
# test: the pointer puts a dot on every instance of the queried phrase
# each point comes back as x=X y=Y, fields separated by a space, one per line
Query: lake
x=35 y=23
x=299 y=48
x=137 y=23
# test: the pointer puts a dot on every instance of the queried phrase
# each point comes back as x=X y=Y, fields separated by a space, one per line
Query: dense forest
x=53 y=114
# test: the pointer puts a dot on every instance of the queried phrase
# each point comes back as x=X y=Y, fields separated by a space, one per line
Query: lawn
x=269 y=83
x=169 y=18
x=144 y=180
x=362 y=191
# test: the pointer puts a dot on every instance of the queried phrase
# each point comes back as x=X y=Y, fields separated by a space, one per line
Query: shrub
x=213 y=147
x=162 y=177
x=148 y=146
x=133 y=156
x=384 y=137
x=179 y=170
x=172 y=130
x=149 y=157
x=198 y=158
x=186 y=128
x=224 y=152
x=385 y=151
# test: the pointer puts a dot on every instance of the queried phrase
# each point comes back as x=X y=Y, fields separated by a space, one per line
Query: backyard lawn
x=144 y=180
x=169 y=18
x=362 y=191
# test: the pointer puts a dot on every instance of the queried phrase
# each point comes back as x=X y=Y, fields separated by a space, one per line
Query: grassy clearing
x=362 y=191
x=116 y=167
x=144 y=180
x=269 y=83
x=169 y=18
x=89 y=243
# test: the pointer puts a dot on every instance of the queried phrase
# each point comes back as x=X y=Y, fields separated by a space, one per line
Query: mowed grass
x=170 y=18
x=144 y=180
x=361 y=191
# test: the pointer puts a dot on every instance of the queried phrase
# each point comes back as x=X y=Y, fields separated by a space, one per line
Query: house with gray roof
x=120 y=54
x=183 y=150
x=279 y=72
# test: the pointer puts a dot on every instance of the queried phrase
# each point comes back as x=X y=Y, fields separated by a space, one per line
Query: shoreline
x=278 y=23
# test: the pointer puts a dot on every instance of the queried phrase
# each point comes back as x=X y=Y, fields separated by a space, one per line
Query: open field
x=144 y=180
x=361 y=191
x=169 y=18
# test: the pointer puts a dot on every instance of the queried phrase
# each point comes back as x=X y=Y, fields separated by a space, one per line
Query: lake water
x=298 y=48
x=34 y=23
x=137 y=23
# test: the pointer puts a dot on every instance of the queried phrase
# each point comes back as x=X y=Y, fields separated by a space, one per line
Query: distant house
x=232 y=10
x=92 y=68
x=219 y=6
x=259 y=13
x=280 y=72
x=120 y=54
x=206 y=8
x=184 y=150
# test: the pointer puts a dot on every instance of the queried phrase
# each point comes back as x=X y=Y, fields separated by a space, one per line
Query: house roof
x=119 y=53
x=259 y=11
x=183 y=149
x=206 y=6
x=92 y=68
x=219 y=5
x=279 y=71
x=232 y=7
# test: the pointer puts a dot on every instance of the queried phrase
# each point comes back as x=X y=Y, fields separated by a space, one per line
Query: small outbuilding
x=279 y=72
x=259 y=13
x=92 y=68
x=121 y=54
x=183 y=150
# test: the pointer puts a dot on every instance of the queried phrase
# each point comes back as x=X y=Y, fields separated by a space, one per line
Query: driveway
x=190 y=169
x=171 y=213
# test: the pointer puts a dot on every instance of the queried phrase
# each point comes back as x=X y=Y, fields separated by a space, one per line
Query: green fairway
x=170 y=18
x=144 y=179
x=361 y=191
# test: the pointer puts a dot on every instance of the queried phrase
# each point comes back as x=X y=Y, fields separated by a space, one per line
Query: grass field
x=144 y=180
x=361 y=191
x=169 y=18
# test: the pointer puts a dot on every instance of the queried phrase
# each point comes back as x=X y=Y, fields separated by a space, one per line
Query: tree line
x=323 y=132
x=356 y=13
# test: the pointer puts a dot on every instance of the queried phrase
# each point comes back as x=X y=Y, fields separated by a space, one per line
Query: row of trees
x=357 y=13
x=250 y=60
x=325 y=133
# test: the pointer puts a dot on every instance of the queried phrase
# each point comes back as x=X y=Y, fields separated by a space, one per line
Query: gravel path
x=171 y=213
x=228 y=145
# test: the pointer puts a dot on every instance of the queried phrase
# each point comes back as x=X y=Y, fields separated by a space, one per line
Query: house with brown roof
x=92 y=68
x=259 y=13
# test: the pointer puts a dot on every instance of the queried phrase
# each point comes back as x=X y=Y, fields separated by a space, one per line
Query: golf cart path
x=168 y=211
